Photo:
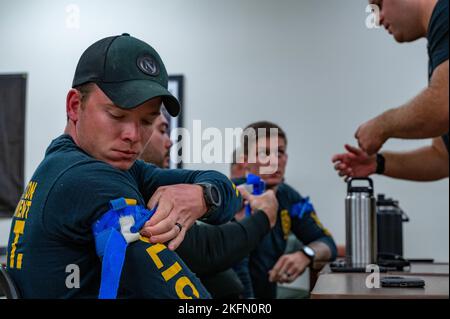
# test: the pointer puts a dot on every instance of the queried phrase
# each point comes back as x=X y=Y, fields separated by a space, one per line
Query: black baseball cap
x=127 y=70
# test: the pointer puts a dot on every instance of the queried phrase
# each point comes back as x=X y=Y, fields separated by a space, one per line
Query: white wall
x=311 y=66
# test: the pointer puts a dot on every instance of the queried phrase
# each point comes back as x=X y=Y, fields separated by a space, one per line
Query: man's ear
x=73 y=105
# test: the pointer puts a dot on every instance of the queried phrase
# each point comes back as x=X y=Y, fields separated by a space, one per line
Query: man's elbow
x=438 y=93
x=442 y=121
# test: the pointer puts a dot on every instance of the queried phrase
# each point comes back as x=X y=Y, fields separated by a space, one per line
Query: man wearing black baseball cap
x=90 y=175
x=127 y=70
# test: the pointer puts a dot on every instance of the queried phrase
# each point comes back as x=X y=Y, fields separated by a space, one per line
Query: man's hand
x=371 y=136
x=355 y=163
x=179 y=206
x=289 y=267
x=266 y=202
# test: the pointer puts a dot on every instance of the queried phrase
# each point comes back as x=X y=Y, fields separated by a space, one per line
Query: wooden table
x=420 y=269
x=436 y=269
x=331 y=285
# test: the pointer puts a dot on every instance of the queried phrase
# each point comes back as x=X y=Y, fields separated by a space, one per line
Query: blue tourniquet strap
x=301 y=208
x=111 y=244
x=141 y=216
x=113 y=259
x=258 y=188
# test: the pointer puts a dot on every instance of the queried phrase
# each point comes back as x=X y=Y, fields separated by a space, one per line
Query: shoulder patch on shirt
x=319 y=223
x=286 y=223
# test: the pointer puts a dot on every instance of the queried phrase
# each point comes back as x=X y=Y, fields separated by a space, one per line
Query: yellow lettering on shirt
x=182 y=283
x=23 y=207
x=171 y=272
x=19 y=261
x=18 y=229
x=21 y=215
x=153 y=251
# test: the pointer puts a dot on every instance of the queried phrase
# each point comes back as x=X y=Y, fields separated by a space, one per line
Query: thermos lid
x=390 y=206
x=383 y=201
x=360 y=189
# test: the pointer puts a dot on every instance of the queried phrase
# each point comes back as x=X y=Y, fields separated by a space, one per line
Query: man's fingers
x=288 y=272
x=255 y=201
x=353 y=150
x=288 y=264
x=163 y=210
x=338 y=158
x=273 y=276
x=283 y=274
x=155 y=198
x=343 y=169
x=292 y=273
x=348 y=173
x=274 y=273
x=167 y=236
x=244 y=193
x=175 y=243
x=163 y=226
x=284 y=278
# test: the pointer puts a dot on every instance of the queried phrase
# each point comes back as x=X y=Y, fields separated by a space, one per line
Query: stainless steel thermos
x=361 y=224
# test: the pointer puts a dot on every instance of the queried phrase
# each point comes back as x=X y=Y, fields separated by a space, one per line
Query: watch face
x=308 y=251
x=215 y=195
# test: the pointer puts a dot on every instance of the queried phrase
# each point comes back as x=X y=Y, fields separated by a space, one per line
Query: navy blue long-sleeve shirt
x=52 y=227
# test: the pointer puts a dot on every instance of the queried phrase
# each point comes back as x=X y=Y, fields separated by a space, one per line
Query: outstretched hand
x=354 y=163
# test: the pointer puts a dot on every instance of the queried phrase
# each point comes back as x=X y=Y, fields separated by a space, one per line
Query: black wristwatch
x=212 y=197
x=309 y=252
x=380 y=163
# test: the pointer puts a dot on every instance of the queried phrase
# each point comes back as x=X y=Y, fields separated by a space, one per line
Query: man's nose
x=273 y=160
x=168 y=142
x=131 y=132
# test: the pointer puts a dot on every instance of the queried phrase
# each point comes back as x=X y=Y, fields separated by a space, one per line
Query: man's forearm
x=428 y=163
x=231 y=198
x=322 y=251
x=210 y=249
x=423 y=117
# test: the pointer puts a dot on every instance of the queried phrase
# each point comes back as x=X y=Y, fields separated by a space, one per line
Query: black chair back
x=7 y=285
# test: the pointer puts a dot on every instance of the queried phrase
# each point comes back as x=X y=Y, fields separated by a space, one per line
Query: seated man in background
x=237 y=168
x=210 y=250
x=157 y=149
x=265 y=155
x=119 y=85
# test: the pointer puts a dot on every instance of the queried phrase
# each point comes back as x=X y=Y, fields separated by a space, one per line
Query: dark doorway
x=12 y=140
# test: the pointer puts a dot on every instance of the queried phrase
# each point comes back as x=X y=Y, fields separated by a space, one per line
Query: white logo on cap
x=148 y=65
